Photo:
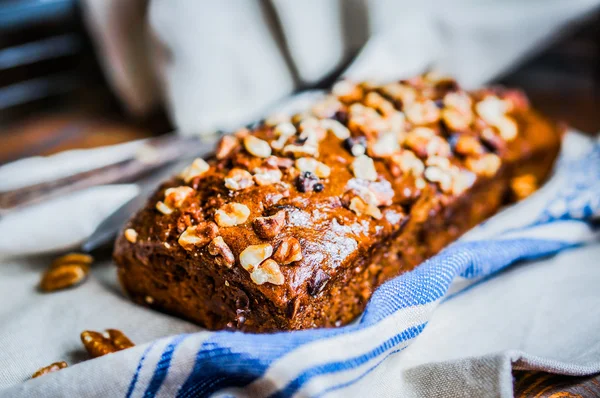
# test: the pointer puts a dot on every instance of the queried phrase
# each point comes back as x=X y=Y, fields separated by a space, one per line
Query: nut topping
x=468 y=145
x=508 y=128
x=73 y=258
x=55 y=367
x=363 y=167
x=360 y=207
x=267 y=176
x=223 y=254
x=440 y=176
x=347 y=91
x=163 y=208
x=422 y=112
x=523 y=186
x=337 y=128
x=232 y=214
x=300 y=150
x=196 y=169
x=486 y=165
x=408 y=163
x=386 y=145
x=174 y=197
x=283 y=131
x=491 y=109
x=238 y=179
x=320 y=169
x=226 y=145
x=198 y=235
x=269 y=227
x=257 y=147
x=253 y=255
x=288 y=251
x=131 y=235
x=267 y=272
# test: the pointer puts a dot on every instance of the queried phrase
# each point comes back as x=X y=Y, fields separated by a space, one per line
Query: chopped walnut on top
x=196 y=169
x=226 y=145
x=232 y=214
x=288 y=251
x=269 y=227
x=363 y=167
x=198 y=235
x=386 y=145
x=283 y=132
x=337 y=128
x=221 y=251
x=319 y=169
x=422 y=112
x=486 y=165
x=347 y=91
x=408 y=163
x=174 y=198
x=360 y=207
x=255 y=259
x=493 y=111
x=257 y=147
x=267 y=176
x=238 y=179
x=131 y=235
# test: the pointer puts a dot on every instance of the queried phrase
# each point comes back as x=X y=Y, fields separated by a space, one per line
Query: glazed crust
x=405 y=216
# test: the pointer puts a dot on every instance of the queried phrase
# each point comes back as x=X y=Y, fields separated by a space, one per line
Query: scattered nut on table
x=99 y=344
x=54 y=367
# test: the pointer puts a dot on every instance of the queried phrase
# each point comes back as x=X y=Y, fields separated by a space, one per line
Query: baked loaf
x=293 y=223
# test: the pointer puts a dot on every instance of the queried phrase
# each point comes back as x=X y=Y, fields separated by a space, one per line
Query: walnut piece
x=288 y=251
x=301 y=150
x=257 y=147
x=99 y=344
x=226 y=145
x=269 y=227
x=422 y=112
x=73 y=258
x=163 y=208
x=319 y=169
x=267 y=272
x=232 y=214
x=131 y=235
x=363 y=167
x=408 y=163
x=222 y=252
x=486 y=165
x=253 y=255
x=63 y=276
x=335 y=127
x=55 y=367
x=386 y=145
x=360 y=207
x=196 y=169
x=174 y=197
x=523 y=186
x=468 y=145
x=267 y=176
x=198 y=235
x=283 y=132
x=238 y=179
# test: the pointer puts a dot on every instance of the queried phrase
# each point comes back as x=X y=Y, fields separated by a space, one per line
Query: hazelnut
x=267 y=272
x=223 y=255
x=319 y=169
x=196 y=169
x=422 y=112
x=226 y=145
x=257 y=147
x=363 y=167
x=238 y=179
x=253 y=255
x=360 y=207
x=288 y=251
x=174 y=197
x=131 y=235
x=269 y=227
x=486 y=165
x=232 y=214
x=198 y=235
x=267 y=176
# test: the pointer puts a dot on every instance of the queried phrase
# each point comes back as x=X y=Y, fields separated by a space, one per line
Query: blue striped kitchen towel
x=331 y=361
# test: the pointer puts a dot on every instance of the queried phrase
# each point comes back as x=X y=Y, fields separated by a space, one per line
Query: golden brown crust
x=373 y=182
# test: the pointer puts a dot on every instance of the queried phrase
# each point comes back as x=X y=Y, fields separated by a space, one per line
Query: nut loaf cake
x=294 y=223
